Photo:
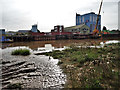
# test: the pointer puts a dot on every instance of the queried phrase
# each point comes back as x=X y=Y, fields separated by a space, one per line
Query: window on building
x=90 y=18
x=93 y=18
x=55 y=30
x=60 y=29
x=83 y=19
x=55 y=27
x=77 y=20
x=80 y=19
x=90 y=27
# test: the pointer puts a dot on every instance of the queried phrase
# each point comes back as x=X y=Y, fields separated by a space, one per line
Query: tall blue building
x=89 y=19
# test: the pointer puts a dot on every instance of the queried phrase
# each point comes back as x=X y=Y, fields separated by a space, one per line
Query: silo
x=34 y=28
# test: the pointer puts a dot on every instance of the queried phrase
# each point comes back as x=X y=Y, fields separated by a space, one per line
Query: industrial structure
x=81 y=29
x=58 y=28
x=23 y=31
x=89 y=19
x=3 y=36
x=34 y=28
x=2 y=31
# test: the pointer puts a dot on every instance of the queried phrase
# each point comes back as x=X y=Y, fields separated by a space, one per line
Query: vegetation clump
x=60 y=62
x=23 y=52
x=93 y=67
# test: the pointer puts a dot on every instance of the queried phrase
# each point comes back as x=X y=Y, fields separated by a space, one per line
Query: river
x=55 y=43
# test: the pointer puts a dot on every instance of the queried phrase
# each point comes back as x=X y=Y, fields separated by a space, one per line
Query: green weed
x=23 y=52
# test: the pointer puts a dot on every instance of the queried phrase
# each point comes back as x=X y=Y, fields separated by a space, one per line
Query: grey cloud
x=13 y=18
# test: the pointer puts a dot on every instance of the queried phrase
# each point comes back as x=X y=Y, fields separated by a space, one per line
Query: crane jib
x=98 y=16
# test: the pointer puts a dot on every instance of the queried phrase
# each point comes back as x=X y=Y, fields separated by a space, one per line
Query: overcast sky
x=21 y=14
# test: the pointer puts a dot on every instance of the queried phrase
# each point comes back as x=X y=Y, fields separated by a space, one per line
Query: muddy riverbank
x=90 y=67
x=37 y=71
x=31 y=71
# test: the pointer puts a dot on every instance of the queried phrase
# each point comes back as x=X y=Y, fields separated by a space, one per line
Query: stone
x=86 y=64
x=25 y=77
x=108 y=62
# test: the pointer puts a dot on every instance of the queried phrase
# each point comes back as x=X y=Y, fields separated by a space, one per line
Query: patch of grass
x=87 y=74
x=94 y=84
x=23 y=52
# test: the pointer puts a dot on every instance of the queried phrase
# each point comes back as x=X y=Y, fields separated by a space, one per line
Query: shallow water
x=55 y=43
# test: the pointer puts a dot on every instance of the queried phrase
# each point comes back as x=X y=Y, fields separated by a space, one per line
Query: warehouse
x=82 y=29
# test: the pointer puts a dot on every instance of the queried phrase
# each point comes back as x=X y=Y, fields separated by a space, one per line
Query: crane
x=95 y=31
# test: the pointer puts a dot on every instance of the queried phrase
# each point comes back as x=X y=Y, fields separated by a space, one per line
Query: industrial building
x=59 y=32
x=2 y=31
x=23 y=31
x=58 y=28
x=89 y=19
x=34 y=28
x=81 y=29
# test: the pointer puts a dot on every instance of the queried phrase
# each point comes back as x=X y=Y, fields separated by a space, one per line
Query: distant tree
x=118 y=30
x=17 y=33
x=104 y=28
x=38 y=31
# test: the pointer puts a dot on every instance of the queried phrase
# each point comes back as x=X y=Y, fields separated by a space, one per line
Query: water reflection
x=112 y=41
x=55 y=43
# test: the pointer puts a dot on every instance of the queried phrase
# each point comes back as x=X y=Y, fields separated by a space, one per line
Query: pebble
x=108 y=62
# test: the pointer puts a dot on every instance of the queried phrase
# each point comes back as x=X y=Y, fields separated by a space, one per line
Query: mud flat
x=30 y=71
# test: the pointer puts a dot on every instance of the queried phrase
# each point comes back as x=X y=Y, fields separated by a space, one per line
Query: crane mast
x=95 y=30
